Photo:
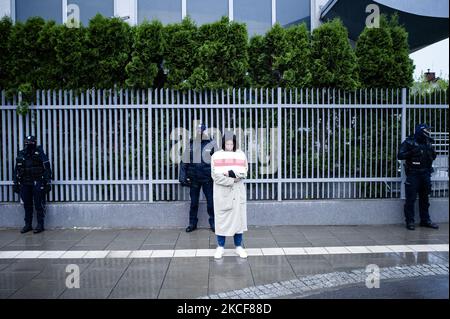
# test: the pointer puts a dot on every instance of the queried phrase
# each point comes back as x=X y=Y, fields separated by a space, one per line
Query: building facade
x=425 y=20
x=259 y=15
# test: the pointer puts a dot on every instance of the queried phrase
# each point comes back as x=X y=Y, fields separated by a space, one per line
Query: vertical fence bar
x=66 y=147
x=157 y=121
x=83 y=151
x=313 y=128
x=133 y=146
x=99 y=143
x=283 y=140
x=279 y=143
x=251 y=141
x=15 y=145
x=54 y=136
x=150 y=143
x=328 y=142
x=110 y=145
x=122 y=110
x=88 y=143
x=5 y=159
x=403 y=137
x=77 y=145
x=170 y=144
x=127 y=146
x=51 y=154
x=144 y=168
x=116 y=149
x=301 y=141
x=308 y=126
x=361 y=140
x=137 y=152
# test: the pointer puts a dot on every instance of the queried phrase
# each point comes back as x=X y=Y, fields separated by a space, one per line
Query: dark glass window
x=292 y=12
x=166 y=11
x=257 y=14
x=206 y=11
x=89 y=8
x=47 y=9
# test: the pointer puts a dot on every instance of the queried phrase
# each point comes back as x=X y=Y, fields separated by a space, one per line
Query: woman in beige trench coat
x=228 y=169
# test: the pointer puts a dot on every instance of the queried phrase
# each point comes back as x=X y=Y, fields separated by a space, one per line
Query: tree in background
x=31 y=63
x=26 y=55
x=296 y=61
x=333 y=61
x=71 y=56
x=180 y=52
x=48 y=74
x=403 y=65
x=257 y=71
x=6 y=27
x=109 y=42
x=110 y=53
x=147 y=55
x=383 y=56
x=221 y=56
x=280 y=58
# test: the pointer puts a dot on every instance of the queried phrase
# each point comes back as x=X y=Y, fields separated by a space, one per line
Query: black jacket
x=418 y=157
x=31 y=167
x=195 y=166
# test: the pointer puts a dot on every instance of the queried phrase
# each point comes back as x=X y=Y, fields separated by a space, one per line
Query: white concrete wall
x=124 y=8
x=5 y=8
x=316 y=8
x=259 y=213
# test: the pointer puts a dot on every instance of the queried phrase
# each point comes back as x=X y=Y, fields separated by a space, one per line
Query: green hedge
x=108 y=53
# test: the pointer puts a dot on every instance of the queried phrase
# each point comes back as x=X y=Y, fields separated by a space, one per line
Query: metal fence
x=107 y=145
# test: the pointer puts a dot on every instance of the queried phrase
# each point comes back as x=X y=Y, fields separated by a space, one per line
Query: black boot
x=191 y=228
x=26 y=229
x=429 y=225
x=39 y=229
x=410 y=226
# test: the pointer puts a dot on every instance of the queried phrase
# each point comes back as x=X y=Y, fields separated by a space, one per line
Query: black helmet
x=30 y=140
x=422 y=132
x=30 y=143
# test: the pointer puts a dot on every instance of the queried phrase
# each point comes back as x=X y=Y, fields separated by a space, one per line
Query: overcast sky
x=434 y=57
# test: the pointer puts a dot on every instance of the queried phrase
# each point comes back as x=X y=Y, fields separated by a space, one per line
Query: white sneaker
x=241 y=252
x=219 y=252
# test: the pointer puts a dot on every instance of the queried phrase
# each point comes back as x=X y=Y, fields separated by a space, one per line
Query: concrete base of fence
x=260 y=213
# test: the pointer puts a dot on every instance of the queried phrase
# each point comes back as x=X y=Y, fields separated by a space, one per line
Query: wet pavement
x=169 y=263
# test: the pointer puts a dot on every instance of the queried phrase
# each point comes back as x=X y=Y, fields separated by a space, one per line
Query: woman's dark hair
x=227 y=137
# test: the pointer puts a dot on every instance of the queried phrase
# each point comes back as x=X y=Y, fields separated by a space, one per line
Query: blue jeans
x=237 y=240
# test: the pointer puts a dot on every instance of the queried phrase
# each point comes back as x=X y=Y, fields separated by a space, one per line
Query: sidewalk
x=169 y=263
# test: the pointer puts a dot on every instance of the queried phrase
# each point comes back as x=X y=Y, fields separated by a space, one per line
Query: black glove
x=231 y=174
x=17 y=188
x=47 y=188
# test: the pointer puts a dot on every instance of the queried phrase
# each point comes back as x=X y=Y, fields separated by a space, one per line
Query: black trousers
x=195 y=195
x=417 y=183
x=33 y=196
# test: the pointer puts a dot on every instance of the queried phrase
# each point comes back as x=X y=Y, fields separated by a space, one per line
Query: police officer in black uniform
x=195 y=173
x=418 y=153
x=32 y=176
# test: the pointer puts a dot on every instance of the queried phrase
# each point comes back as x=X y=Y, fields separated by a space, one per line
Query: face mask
x=421 y=137
x=30 y=148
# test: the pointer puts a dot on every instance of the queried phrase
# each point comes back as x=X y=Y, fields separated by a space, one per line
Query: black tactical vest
x=422 y=161
x=30 y=167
